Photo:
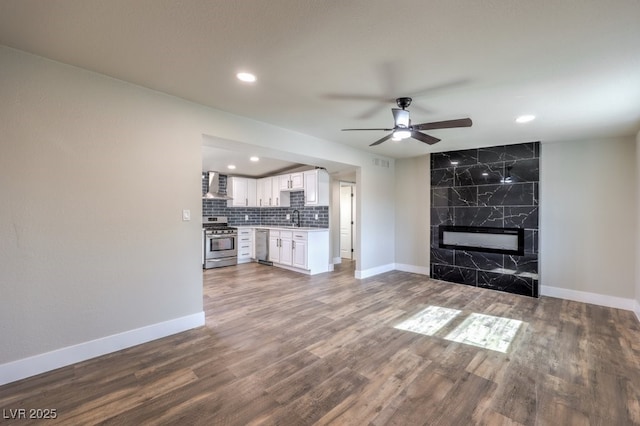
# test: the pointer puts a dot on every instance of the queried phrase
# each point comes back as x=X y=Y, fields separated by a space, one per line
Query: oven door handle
x=221 y=236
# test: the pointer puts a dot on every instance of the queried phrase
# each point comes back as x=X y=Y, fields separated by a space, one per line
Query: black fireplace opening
x=482 y=239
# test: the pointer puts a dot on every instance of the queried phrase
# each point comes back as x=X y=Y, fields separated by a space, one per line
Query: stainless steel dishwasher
x=262 y=246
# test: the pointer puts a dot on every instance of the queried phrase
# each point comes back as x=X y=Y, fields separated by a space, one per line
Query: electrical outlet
x=316 y=216
x=246 y=217
x=186 y=215
x=288 y=216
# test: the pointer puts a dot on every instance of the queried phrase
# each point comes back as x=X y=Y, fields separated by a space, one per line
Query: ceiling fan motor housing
x=403 y=102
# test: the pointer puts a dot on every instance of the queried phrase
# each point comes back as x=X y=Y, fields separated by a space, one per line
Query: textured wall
x=472 y=188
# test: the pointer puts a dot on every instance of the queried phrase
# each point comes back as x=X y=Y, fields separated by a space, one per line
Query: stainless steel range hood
x=214 y=188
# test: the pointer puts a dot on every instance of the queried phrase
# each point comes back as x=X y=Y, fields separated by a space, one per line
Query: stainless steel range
x=220 y=242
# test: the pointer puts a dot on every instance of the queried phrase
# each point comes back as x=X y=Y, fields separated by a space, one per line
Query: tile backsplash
x=264 y=216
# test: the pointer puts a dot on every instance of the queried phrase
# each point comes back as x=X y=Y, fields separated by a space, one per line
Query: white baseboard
x=27 y=367
x=586 y=297
x=366 y=273
x=637 y=310
x=422 y=270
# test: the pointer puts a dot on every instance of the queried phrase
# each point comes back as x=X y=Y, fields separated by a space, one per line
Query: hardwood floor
x=280 y=348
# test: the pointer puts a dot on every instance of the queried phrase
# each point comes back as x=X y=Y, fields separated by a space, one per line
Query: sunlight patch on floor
x=429 y=320
x=486 y=331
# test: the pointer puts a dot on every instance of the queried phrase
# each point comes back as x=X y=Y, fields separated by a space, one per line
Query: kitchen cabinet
x=299 y=250
x=264 y=192
x=305 y=251
x=274 y=246
x=281 y=247
x=243 y=191
x=269 y=195
x=316 y=188
x=279 y=198
x=245 y=245
x=292 y=182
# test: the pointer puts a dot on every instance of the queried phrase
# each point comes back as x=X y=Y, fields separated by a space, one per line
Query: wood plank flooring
x=280 y=348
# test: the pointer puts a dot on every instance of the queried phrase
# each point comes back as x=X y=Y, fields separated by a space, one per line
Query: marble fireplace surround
x=493 y=187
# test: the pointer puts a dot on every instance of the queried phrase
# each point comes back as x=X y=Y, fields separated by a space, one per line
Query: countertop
x=285 y=228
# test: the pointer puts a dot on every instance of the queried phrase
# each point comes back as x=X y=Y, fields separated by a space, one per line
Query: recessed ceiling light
x=231 y=167
x=525 y=118
x=254 y=159
x=247 y=77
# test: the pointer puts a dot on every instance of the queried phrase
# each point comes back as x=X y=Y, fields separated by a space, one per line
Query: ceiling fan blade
x=448 y=124
x=379 y=141
x=386 y=130
x=424 y=138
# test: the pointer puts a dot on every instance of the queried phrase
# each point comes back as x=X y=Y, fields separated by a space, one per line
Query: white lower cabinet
x=280 y=247
x=302 y=251
x=286 y=250
x=274 y=246
x=299 y=248
x=245 y=245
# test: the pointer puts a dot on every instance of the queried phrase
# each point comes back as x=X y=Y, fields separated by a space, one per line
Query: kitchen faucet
x=293 y=218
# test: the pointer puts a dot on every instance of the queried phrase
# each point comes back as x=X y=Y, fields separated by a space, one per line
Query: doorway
x=347 y=219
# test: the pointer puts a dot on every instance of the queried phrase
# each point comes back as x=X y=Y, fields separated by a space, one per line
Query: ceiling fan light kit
x=401 y=134
x=403 y=129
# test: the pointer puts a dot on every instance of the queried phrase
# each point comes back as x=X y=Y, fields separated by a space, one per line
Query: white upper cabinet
x=316 y=188
x=279 y=198
x=275 y=191
x=264 y=192
x=268 y=193
x=243 y=191
x=292 y=182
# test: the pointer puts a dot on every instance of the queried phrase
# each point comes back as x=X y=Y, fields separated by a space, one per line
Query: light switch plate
x=186 y=215
x=288 y=216
x=316 y=216
x=246 y=217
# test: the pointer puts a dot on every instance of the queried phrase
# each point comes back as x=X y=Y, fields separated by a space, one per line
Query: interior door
x=346 y=222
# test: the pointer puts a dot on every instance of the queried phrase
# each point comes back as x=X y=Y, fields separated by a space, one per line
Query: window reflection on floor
x=429 y=320
x=485 y=331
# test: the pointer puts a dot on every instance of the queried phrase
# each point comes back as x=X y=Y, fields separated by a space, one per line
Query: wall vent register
x=484 y=239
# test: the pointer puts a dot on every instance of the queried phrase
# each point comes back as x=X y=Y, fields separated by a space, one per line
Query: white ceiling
x=332 y=64
x=218 y=160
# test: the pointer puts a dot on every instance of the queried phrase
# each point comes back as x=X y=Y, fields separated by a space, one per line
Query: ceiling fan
x=403 y=129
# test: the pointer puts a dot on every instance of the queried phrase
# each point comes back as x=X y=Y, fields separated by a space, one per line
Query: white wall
x=95 y=174
x=637 y=300
x=412 y=197
x=588 y=220
x=375 y=212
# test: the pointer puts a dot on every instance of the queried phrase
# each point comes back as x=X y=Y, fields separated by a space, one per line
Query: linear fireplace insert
x=484 y=239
